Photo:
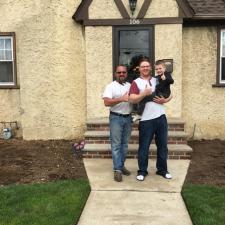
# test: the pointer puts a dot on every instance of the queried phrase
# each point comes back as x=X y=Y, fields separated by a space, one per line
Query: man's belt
x=119 y=114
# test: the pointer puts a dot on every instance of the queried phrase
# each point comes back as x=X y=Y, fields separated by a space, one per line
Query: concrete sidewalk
x=155 y=201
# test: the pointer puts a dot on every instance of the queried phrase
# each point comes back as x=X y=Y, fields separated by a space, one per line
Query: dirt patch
x=42 y=161
x=38 y=161
x=208 y=163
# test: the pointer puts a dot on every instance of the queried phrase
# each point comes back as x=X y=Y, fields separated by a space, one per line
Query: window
x=222 y=57
x=7 y=60
x=130 y=44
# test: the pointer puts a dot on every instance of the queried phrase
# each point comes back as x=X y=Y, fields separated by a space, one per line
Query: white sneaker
x=140 y=177
x=136 y=118
x=168 y=176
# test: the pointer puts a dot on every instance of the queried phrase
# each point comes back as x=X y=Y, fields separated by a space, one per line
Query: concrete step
x=99 y=136
x=97 y=139
x=174 y=124
x=106 y=133
x=176 y=151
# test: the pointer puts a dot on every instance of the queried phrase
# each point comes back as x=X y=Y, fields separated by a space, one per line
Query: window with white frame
x=7 y=60
x=222 y=57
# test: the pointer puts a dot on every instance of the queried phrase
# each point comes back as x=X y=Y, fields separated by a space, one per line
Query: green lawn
x=56 y=203
x=206 y=204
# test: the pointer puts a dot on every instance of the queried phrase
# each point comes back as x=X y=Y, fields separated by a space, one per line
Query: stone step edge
x=105 y=133
x=134 y=147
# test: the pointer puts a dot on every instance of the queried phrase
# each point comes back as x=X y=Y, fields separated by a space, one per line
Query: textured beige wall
x=98 y=68
x=107 y=9
x=168 y=45
x=162 y=8
x=50 y=55
x=203 y=105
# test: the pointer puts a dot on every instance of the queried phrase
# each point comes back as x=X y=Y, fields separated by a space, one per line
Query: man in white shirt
x=116 y=97
x=153 y=122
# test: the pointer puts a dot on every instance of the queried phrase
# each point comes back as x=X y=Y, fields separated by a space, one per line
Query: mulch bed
x=42 y=161
x=39 y=161
x=208 y=163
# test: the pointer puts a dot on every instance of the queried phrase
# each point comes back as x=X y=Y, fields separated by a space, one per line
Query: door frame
x=115 y=42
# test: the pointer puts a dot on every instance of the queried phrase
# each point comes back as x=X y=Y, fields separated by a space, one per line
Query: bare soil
x=208 y=163
x=42 y=161
x=39 y=161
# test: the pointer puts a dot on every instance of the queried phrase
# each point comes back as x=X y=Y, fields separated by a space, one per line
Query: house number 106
x=135 y=21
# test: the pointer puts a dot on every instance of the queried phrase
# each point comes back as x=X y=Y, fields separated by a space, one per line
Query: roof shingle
x=208 y=7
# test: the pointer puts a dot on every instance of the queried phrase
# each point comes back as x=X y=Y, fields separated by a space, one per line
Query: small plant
x=77 y=148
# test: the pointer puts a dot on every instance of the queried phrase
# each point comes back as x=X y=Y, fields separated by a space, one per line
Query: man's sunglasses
x=119 y=72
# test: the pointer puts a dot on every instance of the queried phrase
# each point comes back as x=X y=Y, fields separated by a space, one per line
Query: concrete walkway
x=155 y=201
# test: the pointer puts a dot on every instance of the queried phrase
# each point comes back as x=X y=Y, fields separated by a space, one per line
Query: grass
x=206 y=204
x=56 y=203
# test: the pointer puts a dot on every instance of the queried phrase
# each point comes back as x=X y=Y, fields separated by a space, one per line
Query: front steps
x=98 y=143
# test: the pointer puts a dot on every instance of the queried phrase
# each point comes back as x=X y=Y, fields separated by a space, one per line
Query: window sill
x=10 y=87
x=219 y=85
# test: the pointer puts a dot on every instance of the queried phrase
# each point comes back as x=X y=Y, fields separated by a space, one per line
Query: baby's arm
x=169 y=79
x=148 y=98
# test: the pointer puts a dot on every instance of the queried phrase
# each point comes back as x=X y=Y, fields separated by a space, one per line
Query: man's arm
x=136 y=97
x=162 y=100
x=114 y=101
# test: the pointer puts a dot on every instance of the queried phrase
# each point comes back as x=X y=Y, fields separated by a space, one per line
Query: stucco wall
x=162 y=8
x=98 y=68
x=50 y=54
x=107 y=9
x=168 y=45
x=203 y=105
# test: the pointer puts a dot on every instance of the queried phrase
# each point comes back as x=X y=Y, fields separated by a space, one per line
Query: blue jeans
x=120 y=130
x=147 y=130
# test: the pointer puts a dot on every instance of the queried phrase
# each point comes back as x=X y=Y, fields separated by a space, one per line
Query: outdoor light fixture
x=132 y=4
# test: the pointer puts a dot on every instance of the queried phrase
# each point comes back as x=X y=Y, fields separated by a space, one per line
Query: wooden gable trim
x=144 y=9
x=185 y=8
x=122 y=9
x=127 y=22
x=82 y=11
x=185 y=12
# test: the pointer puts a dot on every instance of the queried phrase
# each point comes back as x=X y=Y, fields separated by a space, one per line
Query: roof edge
x=209 y=16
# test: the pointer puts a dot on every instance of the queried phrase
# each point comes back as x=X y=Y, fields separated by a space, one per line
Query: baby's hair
x=160 y=62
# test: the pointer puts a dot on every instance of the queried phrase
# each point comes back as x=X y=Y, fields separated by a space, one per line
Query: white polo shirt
x=152 y=110
x=116 y=90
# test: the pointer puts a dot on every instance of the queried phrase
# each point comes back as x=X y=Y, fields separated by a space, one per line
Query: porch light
x=132 y=4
